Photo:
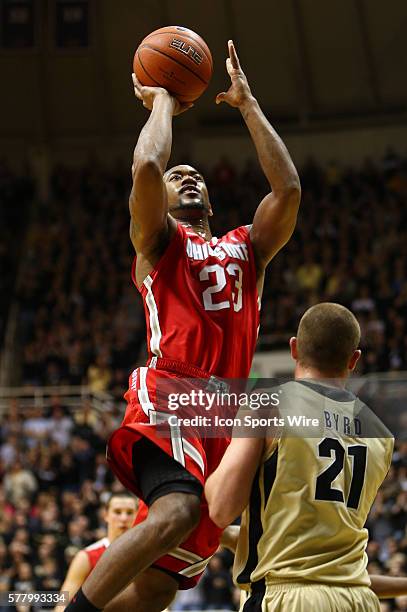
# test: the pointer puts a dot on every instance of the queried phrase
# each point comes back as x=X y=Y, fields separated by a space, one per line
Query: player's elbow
x=222 y=514
x=291 y=197
x=146 y=168
x=220 y=518
x=289 y=204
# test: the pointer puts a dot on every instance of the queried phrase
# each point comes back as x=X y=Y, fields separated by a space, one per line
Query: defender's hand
x=239 y=91
x=148 y=95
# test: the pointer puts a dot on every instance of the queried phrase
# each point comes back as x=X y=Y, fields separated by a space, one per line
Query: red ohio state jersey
x=96 y=550
x=201 y=303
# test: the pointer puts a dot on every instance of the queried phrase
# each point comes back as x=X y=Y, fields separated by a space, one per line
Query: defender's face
x=187 y=193
x=121 y=514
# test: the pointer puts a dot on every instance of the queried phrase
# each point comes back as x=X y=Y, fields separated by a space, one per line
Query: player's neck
x=199 y=226
x=331 y=379
x=112 y=535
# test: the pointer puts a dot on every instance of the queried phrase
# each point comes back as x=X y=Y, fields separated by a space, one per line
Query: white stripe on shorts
x=142 y=393
x=175 y=432
x=192 y=452
x=185 y=555
x=195 y=569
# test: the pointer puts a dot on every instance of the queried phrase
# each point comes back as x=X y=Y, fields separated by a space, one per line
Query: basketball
x=177 y=59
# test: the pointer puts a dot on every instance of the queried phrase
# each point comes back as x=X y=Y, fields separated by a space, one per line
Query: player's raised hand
x=239 y=91
x=148 y=94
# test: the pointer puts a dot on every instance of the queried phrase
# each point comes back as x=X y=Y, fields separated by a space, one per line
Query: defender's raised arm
x=276 y=215
x=148 y=199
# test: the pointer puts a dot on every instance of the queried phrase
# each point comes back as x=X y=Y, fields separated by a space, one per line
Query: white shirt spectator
x=19 y=484
x=61 y=428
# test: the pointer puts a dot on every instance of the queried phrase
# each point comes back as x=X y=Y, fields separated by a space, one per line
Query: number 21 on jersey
x=331 y=448
x=232 y=269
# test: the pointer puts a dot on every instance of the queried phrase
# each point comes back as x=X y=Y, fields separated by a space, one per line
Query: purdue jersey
x=313 y=491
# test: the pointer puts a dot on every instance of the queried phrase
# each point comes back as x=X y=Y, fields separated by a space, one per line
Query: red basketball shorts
x=196 y=453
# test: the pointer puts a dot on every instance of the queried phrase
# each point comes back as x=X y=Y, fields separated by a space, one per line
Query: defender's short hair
x=123 y=495
x=328 y=335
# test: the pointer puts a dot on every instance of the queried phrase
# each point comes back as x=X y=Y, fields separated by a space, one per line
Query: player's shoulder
x=238 y=234
x=102 y=543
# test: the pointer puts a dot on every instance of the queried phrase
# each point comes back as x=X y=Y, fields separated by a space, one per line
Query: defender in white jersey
x=307 y=490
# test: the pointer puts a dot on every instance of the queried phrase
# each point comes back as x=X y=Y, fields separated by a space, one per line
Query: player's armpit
x=78 y=571
x=387 y=587
x=227 y=490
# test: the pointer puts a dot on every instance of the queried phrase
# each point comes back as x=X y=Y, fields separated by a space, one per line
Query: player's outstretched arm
x=387 y=587
x=227 y=489
x=78 y=571
x=148 y=198
x=276 y=215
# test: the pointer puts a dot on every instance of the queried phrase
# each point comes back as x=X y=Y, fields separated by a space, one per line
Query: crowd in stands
x=81 y=320
x=16 y=191
x=81 y=317
x=54 y=481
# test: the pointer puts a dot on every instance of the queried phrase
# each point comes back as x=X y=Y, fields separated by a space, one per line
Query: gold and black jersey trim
x=265 y=475
x=258 y=590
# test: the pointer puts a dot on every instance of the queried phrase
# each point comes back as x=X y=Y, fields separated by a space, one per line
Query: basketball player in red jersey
x=119 y=514
x=201 y=297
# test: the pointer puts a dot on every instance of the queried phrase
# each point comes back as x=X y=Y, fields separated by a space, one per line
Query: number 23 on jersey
x=218 y=275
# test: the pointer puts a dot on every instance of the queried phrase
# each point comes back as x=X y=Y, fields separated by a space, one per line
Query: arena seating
x=81 y=325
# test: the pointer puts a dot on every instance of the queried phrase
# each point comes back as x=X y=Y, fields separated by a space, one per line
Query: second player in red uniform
x=202 y=297
x=119 y=514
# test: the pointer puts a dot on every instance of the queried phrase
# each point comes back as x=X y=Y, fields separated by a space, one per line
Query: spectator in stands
x=19 y=483
x=99 y=374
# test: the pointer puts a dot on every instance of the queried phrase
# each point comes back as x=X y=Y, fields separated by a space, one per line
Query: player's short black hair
x=328 y=335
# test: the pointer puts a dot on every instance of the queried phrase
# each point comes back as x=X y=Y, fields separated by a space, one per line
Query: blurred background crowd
x=81 y=317
x=81 y=321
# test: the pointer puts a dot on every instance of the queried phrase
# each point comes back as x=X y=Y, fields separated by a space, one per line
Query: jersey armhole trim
x=253 y=268
x=172 y=245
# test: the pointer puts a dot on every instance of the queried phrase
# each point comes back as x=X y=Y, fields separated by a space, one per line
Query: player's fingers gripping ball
x=177 y=59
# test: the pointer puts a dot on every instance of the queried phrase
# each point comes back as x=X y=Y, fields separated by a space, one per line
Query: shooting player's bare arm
x=150 y=226
x=275 y=218
x=276 y=215
x=148 y=198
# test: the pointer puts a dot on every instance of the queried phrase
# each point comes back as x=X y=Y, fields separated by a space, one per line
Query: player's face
x=187 y=193
x=120 y=515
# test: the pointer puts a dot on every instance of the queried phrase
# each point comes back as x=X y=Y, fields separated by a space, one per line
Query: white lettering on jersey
x=197 y=252
x=201 y=252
